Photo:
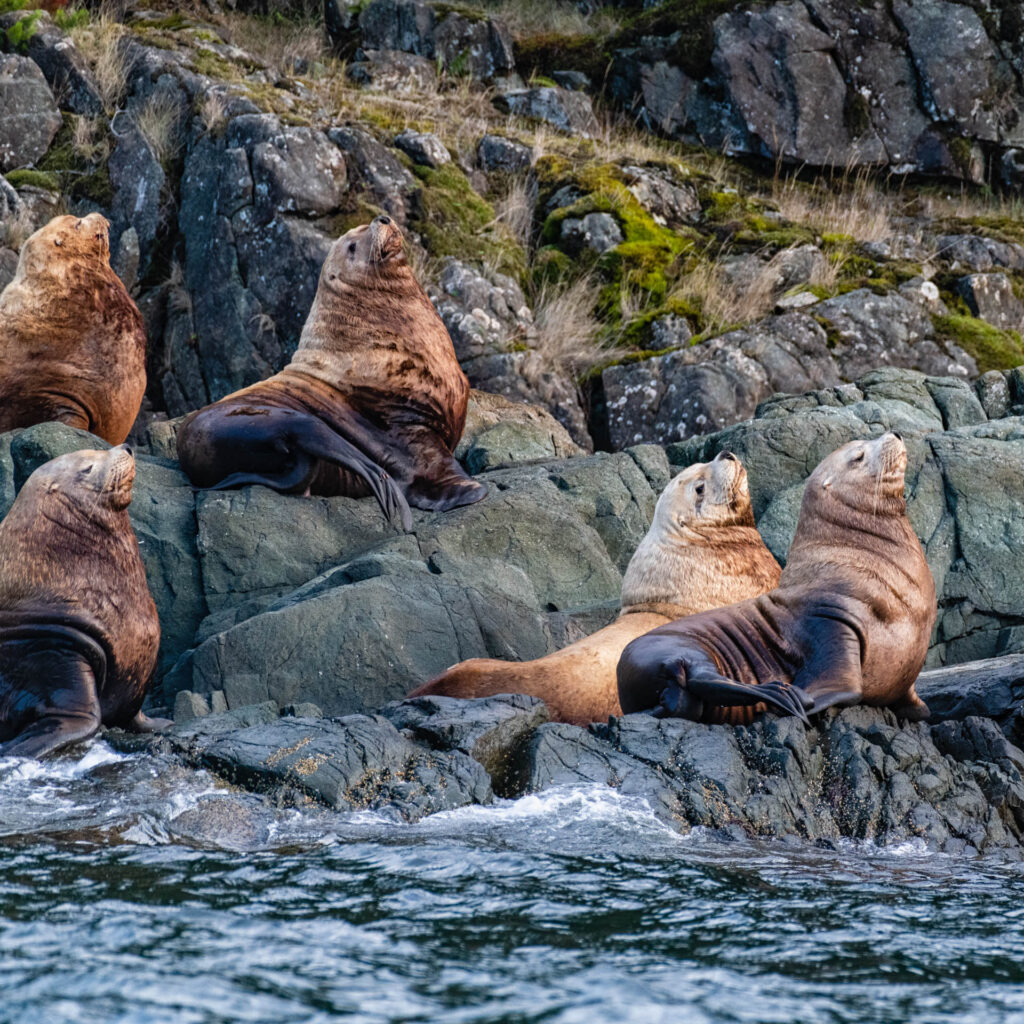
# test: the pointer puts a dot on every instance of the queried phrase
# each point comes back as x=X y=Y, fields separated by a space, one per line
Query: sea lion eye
x=351 y=248
x=858 y=456
x=699 y=488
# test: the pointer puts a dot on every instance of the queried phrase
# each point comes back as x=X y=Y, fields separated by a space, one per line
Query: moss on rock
x=453 y=220
x=992 y=348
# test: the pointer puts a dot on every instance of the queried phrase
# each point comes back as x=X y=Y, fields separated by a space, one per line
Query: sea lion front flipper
x=438 y=483
x=70 y=710
x=143 y=723
x=831 y=673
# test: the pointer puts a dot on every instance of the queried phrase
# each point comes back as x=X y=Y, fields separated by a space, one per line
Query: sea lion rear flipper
x=143 y=724
x=439 y=483
x=70 y=710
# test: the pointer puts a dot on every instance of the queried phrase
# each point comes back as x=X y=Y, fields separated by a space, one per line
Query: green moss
x=213 y=65
x=76 y=177
x=550 y=265
x=551 y=51
x=832 y=336
x=453 y=220
x=34 y=179
x=171 y=23
x=19 y=34
x=992 y=348
x=7 y=6
x=67 y=18
x=541 y=80
x=857 y=114
x=960 y=151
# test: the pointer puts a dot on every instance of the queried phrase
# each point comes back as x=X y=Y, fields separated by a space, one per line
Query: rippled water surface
x=132 y=890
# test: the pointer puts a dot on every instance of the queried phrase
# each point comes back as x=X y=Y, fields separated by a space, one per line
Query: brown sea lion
x=373 y=396
x=701 y=551
x=72 y=342
x=78 y=627
x=849 y=622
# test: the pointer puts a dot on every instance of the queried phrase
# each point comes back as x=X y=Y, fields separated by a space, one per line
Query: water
x=132 y=890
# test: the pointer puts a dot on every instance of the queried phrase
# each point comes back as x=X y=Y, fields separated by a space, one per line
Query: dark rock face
x=569 y=112
x=496 y=153
x=478 y=46
x=917 y=86
x=29 y=118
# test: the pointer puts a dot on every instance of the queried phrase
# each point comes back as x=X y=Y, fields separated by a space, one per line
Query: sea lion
x=78 y=628
x=701 y=551
x=849 y=622
x=373 y=396
x=72 y=342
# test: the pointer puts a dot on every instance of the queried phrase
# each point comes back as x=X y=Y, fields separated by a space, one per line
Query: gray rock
x=991 y=297
x=297 y=171
x=670 y=331
x=598 y=232
x=423 y=148
x=8 y=266
x=668 y=200
x=461 y=43
x=574 y=81
x=189 y=706
x=353 y=763
x=377 y=170
x=138 y=181
x=489 y=730
x=979 y=253
x=393 y=71
x=66 y=70
x=1011 y=168
x=994 y=394
x=569 y=112
x=29 y=118
x=497 y=153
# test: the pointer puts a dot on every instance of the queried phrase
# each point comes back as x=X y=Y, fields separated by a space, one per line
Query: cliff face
x=583 y=254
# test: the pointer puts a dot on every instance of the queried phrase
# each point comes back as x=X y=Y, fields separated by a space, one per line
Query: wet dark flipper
x=67 y=708
x=832 y=672
x=440 y=483
x=143 y=723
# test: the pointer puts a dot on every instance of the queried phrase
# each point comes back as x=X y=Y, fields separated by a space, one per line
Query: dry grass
x=283 y=45
x=567 y=329
x=157 y=121
x=970 y=204
x=89 y=140
x=559 y=17
x=725 y=304
x=213 y=110
x=98 y=40
x=14 y=231
x=515 y=209
x=855 y=207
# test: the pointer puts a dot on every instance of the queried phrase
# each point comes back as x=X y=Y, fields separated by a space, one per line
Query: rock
x=569 y=112
x=497 y=153
x=670 y=331
x=979 y=253
x=66 y=71
x=377 y=170
x=138 y=181
x=598 y=232
x=1011 y=168
x=798 y=300
x=667 y=200
x=8 y=266
x=485 y=312
x=501 y=433
x=29 y=118
x=855 y=774
x=358 y=762
x=392 y=71
x=574 y=81
x=297 y=171
x=994 y=394
x=461 y=42
x=780 y=76
x=489 y=730
x=423 y=148
x=189 y=706
x=991 y=297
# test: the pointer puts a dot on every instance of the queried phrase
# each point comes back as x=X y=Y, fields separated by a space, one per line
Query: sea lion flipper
x=445 y=485
x=72 y=709
x=144 y=724
x=831 y=673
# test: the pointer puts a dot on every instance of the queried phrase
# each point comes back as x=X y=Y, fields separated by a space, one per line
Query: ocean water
x=133 y=890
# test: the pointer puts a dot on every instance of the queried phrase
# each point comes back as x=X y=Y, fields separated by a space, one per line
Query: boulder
x=29 y=118
x=598 y=232
x=569 y=112
x=497 y=153
x=393 y=71
x=423 y=148
x=377 y=170
x=991 y=297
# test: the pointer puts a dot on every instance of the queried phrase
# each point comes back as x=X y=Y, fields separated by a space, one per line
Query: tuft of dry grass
x=157 y=121
x=285 y=45
x=99 y=42
x=568 y=331
x=15 y=230
x=515 y=208
x=855 y=207
x=213 y=110
x=552 y=17
x=89 y=140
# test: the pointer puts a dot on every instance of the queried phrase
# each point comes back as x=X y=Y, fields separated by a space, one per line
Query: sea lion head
x=66 y=239
x=369 y=256
x=864 y=476
x=706 y=495
x=94 y=482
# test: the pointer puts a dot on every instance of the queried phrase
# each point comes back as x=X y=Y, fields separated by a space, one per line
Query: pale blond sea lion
x=701 y=551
